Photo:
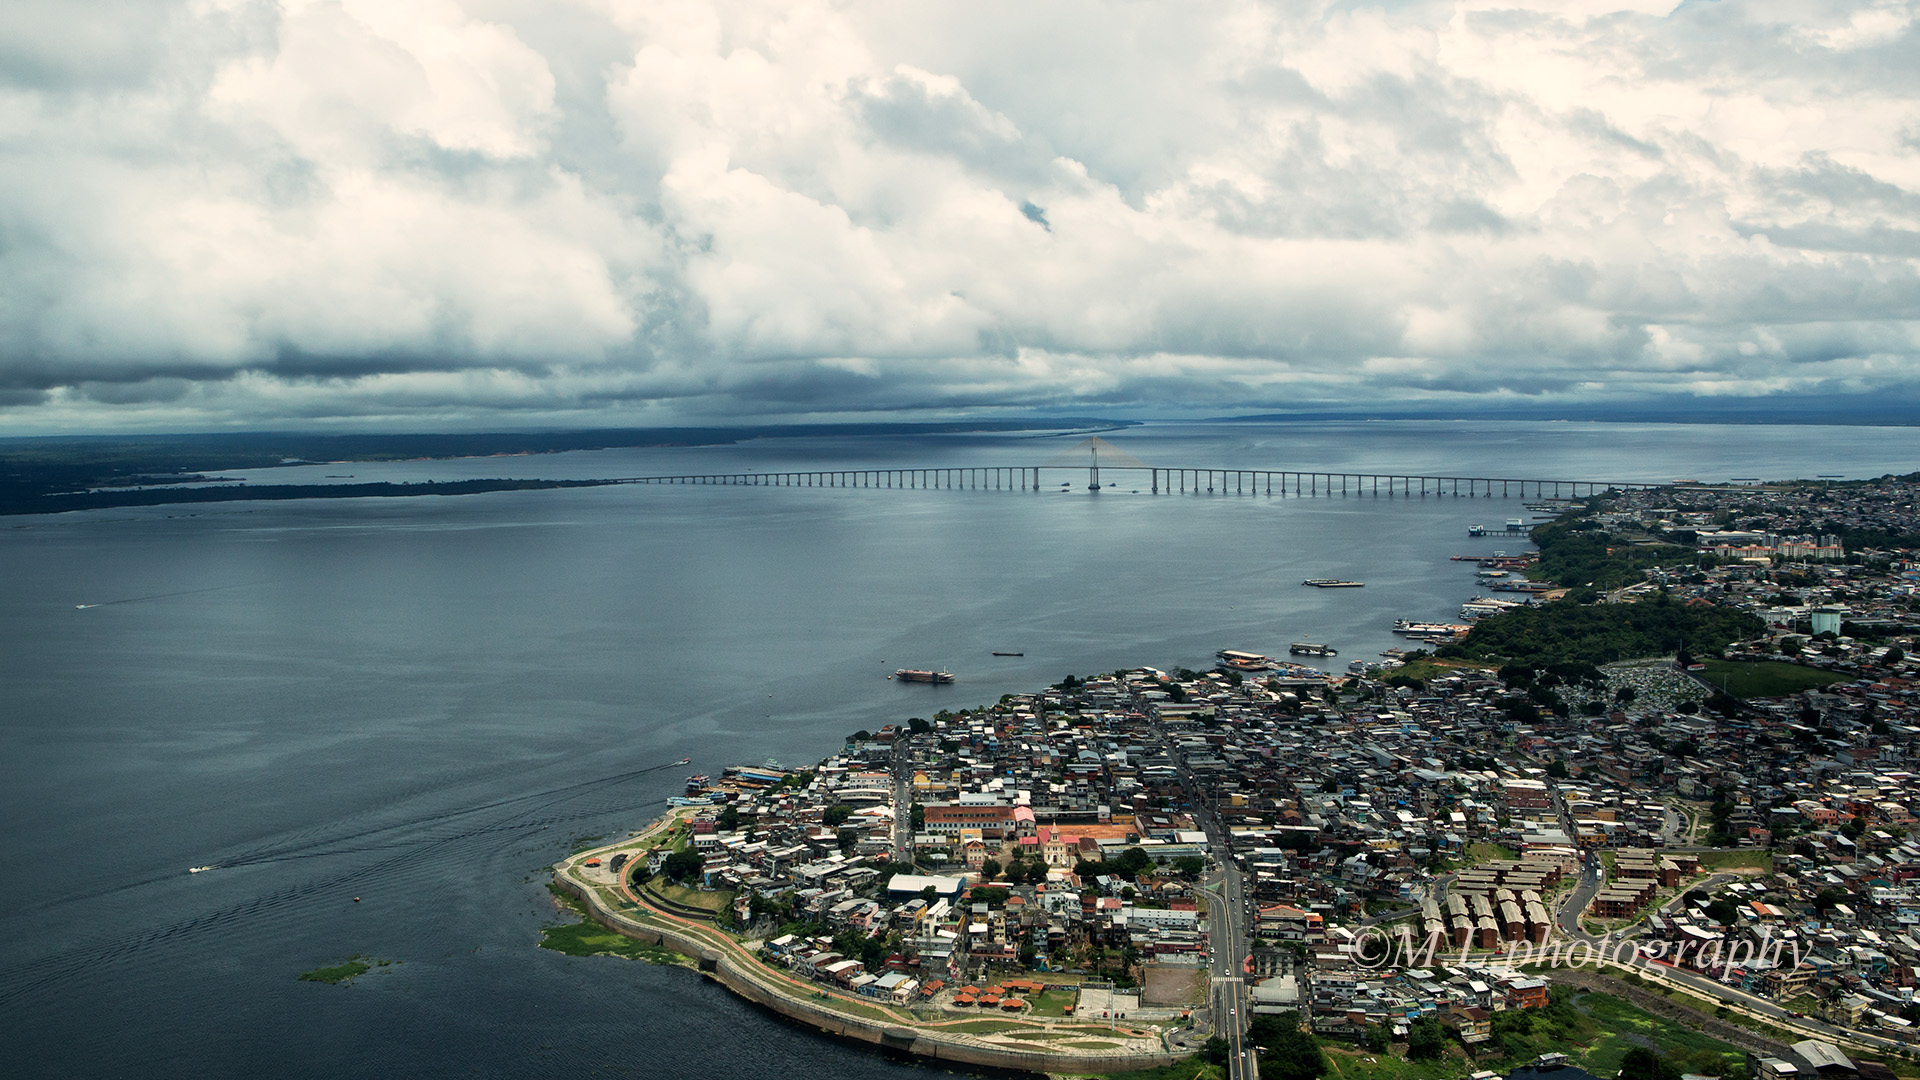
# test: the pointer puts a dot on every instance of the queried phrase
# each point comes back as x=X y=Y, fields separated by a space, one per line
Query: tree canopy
x=1286 y=1052
x=1602 y=633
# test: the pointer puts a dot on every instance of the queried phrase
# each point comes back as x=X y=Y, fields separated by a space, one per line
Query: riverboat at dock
x=1409 y=628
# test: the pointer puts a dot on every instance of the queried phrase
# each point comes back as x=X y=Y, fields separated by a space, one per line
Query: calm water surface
x=421 y=702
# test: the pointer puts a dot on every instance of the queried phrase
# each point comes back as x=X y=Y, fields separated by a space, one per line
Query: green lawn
x=1764 y=678
x=1733 y=860
x=986 y=1027
x=1051 y=1003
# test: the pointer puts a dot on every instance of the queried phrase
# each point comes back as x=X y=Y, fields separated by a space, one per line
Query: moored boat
x=920 y=675
x=1428 y=629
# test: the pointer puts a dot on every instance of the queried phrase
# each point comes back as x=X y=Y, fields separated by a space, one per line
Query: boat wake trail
x=165 y=596
x=448 y=835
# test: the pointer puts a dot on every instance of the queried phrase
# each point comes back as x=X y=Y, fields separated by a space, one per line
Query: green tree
x=990 y=870
x=836 y=814
x=1286 y=1052
x=1557 y=769
x=1644 y=1063
x=1426 y=1039
x=917 y=817
x=683 y=865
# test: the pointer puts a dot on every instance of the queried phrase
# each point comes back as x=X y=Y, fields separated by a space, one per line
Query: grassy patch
x=592 y=939
x=1190 y=1069
x=1361 y=1065
x=589 y=938
x=1765 y=678
x=1481 y=852
x=1429 y=667
x=1626 y=1026
x=345 y=972
x=1052 y=1002
x=986 y=1027
x=1733 y=860
x=694 y=898
x=839 y=1004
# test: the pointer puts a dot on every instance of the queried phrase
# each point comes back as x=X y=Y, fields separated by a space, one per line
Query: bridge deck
x=1165 y=481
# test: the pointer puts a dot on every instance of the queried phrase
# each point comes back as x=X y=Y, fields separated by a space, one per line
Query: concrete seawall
x=731 y=973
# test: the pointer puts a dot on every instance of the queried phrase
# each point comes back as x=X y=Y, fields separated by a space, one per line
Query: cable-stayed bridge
x=1107 y=466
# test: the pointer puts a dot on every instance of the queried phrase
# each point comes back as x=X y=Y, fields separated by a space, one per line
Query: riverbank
x=735 y=964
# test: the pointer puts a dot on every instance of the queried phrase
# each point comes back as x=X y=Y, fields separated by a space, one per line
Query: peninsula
x=1485 y=855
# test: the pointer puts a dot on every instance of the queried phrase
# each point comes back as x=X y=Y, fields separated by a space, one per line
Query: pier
x=1158 y=480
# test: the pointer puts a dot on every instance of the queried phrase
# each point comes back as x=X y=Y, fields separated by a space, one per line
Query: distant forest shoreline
x=60 y=473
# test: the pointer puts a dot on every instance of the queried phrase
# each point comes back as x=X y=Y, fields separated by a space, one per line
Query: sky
x=510 y=213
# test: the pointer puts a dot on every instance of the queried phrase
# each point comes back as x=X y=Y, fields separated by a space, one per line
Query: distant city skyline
x=500 y=214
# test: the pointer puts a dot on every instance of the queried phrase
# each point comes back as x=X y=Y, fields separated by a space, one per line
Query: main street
x=1228 y=917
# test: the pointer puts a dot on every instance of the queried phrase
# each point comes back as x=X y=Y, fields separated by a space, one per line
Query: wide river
x=420 y=703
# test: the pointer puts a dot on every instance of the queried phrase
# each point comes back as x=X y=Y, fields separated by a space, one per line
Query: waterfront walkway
x=1053 y=1038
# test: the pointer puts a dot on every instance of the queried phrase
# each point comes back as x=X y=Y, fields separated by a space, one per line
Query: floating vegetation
x=346 y=971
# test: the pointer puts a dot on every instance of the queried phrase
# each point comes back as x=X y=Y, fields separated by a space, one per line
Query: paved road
x=1578 y=899
x=1228 y=918
x=1732 y=997
x=902 y=798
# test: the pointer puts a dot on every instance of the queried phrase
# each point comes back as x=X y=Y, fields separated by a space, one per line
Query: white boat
x=198 y=869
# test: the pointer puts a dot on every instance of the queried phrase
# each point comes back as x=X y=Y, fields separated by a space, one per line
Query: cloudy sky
x=528 y=212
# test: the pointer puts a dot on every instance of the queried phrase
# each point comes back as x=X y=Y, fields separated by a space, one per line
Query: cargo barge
x=917 y=675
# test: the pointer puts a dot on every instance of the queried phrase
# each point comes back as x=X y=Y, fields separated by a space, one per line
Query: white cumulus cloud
x=227 y=212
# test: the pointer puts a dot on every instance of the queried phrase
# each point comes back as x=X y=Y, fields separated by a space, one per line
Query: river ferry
x=1309 y=648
